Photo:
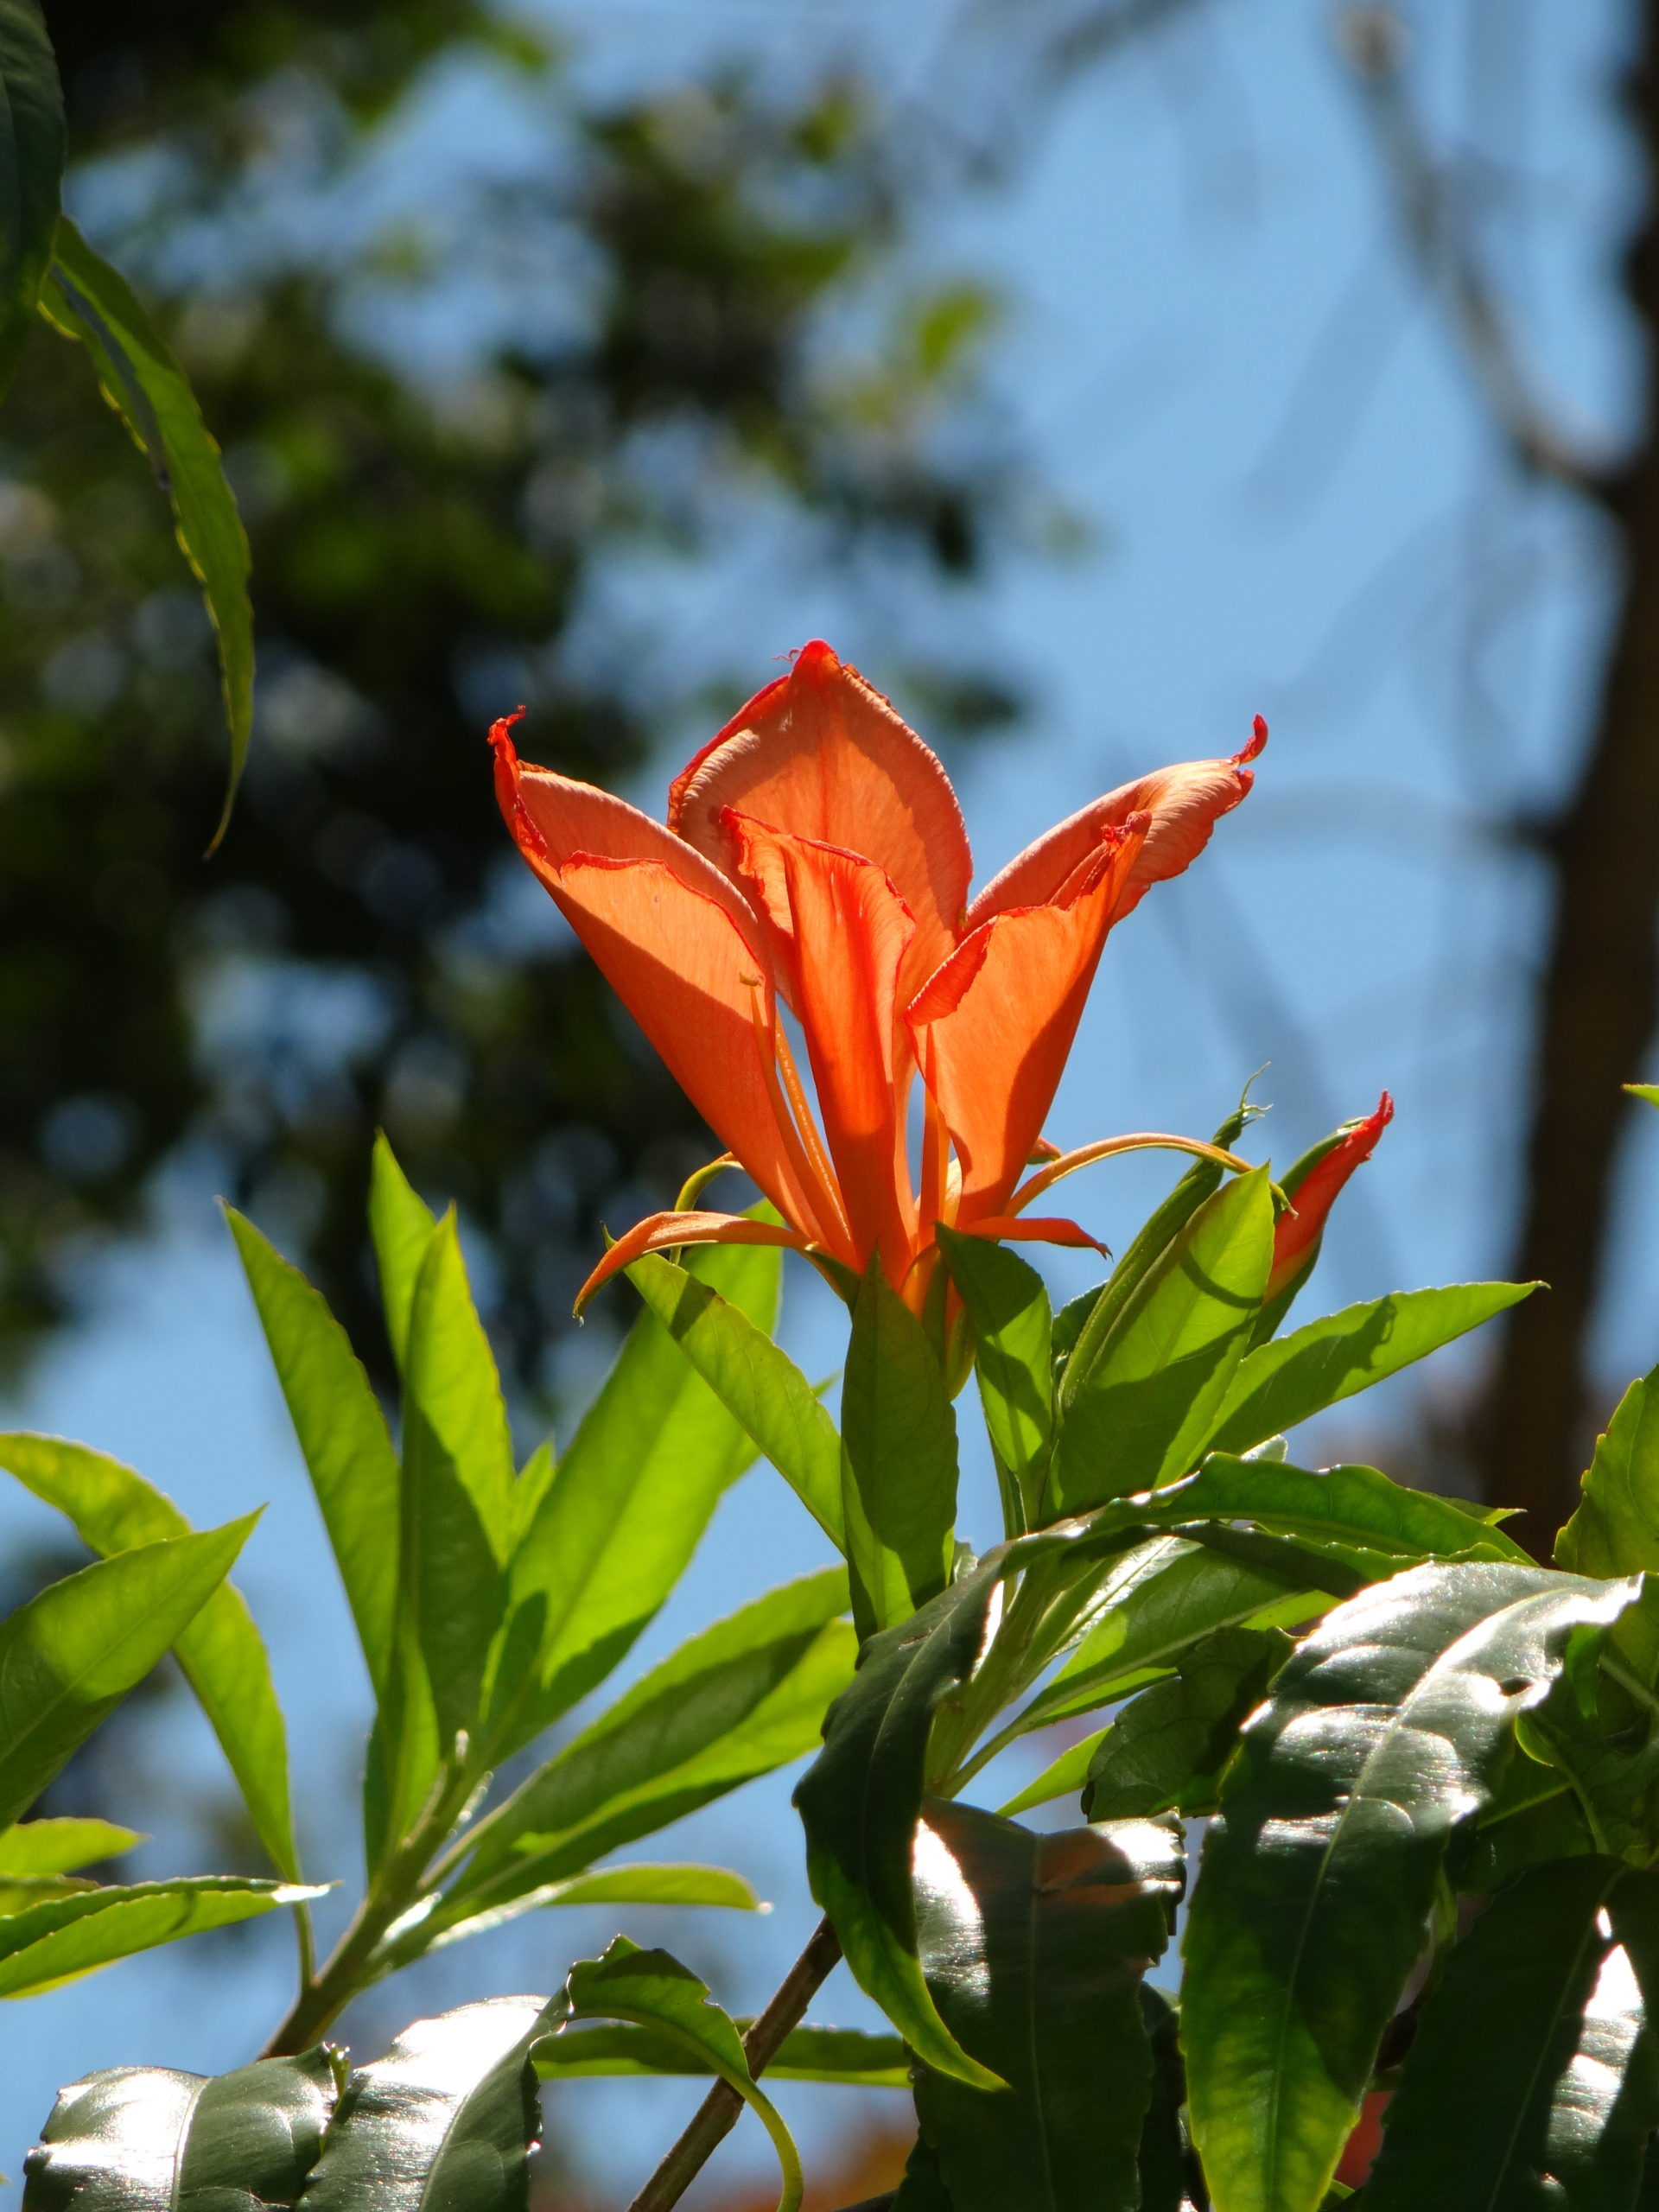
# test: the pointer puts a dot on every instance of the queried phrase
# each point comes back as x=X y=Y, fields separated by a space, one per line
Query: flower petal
x=661 y=1232
x=999 y=1017
x=1184 y=804
x=850 y=934
x=1034 y=1228
x=1296 y=1236
x=823 y=755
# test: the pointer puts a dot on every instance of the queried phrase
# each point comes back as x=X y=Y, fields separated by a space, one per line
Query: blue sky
x=1222 y=361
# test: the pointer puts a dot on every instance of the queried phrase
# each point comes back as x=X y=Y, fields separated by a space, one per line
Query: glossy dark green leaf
x=401 y=1225
x=632 y=1494
x=1140 y=1414
x=444 y=2122
x=1008 y=1306
x=1529 y=2081
x=653 y=1990
x=223 y=1654
x=457 y=1518
x=861 y=1799
x=1082 y=1328
x=1165 y=2156
x=851 y=2057
x=81 y=1929
x=922 y=2188
x=83 y=297
x=1390 y=1725
x=1166 y=1594
x=1165 y=1750
x=1034 y=1948
x=34 y=1849
x=342 y=1434
x=1281 y=1383
x=31 y=170
x=1616 y=1528
x=71 y=1655
x=760 y=1386
x=899 y=1460
x=745 y=1696
x=147 y=2138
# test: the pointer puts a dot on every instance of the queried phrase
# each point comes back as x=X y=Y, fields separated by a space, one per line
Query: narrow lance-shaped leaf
x=1286 y=1381
x=79 y=1929
x=221 y=1652
x=760 y=1386
x=342 y=1433
x=653 y=1990
x=401 y=1225
x=1008 y=1306
x=851 y=2057
x=147 y=2138
x=31 y=170
x=1529 y=2080
x=444 y=2121
x=71 y=1655
x=635 y=1881
x=1034 y=1948
x=34 y=1850
x=85 y=298
x=899 y=1459
x=1140 y=1414
x=632 y=1494
x=1390 y=1725
x=1616 y=1528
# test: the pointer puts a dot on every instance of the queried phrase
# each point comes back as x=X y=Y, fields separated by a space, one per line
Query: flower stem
x=716 y=2115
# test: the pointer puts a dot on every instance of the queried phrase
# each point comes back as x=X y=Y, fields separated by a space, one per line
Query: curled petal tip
x=501 y=731
x=1258 y=739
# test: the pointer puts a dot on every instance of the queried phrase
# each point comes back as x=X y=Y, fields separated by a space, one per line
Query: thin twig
x=1372 y=40
x=716 y=2115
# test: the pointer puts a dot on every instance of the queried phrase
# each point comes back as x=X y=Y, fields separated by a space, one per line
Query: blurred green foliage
x=688 y=321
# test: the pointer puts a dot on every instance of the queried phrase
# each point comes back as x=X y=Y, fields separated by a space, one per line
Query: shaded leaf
x=445 y=2119
x=36 y=1848
x=1387 y=1727
x=114 y=1509
x=1140 y=1414
x=1034 y=1948
x=1008 y=1306
x=1165 y=1750
x=81 y=1929
x=147 y=2138
x=31 y=170
x=85 y=298
x=810 y=2053
x=71 y=1655
x=1281 y=1383
x=898 y=1458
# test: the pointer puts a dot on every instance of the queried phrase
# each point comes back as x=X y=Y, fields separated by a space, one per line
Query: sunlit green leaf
x=1616 y=1528
x=810 y=2053
x=36 y=1848
x=634 y=1881
x=85 y=298
x=146 y=2138
x=82 y=1928
x=71 y=1655
x=899 y=1459
x=1008 y=1306
x=401 y=1225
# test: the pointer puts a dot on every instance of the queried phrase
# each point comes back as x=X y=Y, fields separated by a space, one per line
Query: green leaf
x=1061 y=1777
x=808 y=2053
x=147 y=2138
x=1281 y=1383
x=633 y=1493
x=38 y=1848
x=760 y=1386
x=31 y=170
x=223 y=1654
x=458 y=1486
x=861 y=1800
x=1164 y=2154
x=1034 y=1948
x=634 y=1882
x=84 y=298
x=1166 y=1594
x=342 y=1434
x=70 y=1655
x=1165 y=1750
x=743 y=1697
x=1529 y=2079
x=444 y=2122
x=78 y=1929
x=922 y=2188
x=1616 y=1528
x=653 y=1990
x=898 y=1459
x=1082 y=1328
x=1008 y=1306
x=401 y=1225
x=1389 y=1725
x=1141 y=1414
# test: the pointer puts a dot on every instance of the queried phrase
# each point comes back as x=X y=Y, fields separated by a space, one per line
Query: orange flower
x=1314 y=1191
x=815 y=854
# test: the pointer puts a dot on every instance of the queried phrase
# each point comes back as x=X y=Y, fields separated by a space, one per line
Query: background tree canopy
x=691 y=337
